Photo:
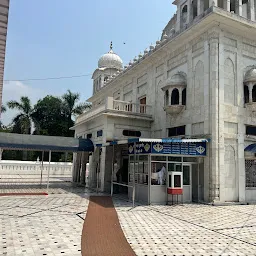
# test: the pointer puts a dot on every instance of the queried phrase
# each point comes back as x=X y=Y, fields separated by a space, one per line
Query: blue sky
x=54 y=38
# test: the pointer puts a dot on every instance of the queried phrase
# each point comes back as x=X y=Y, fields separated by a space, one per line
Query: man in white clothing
x=161 y=175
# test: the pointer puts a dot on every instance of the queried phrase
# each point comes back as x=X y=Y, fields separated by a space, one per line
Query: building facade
x=4 y=13
x=196 y=82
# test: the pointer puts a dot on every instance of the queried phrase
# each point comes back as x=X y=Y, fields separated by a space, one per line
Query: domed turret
x=250 y=75
x=110 y=60
x=109 y=66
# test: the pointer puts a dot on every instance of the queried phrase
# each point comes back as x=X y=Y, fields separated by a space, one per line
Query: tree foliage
x=23 y=120
x=52 y=116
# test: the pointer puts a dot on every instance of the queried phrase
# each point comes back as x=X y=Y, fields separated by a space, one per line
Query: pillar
x=227 y=5
x=190 y=12
x=241 y=163
x=251 y=10
x=214 y=185
x=250 y=86
x=85 y=159
x=239 y=7
x=198 y=7
x=180 y=96
x=170 y=96
x=102 y=81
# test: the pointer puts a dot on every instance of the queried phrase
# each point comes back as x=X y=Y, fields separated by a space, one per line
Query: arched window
x=254 y=94
x=184 y=97
x=221 y=4
x=194 y=4
x=244 y=8
x=166 y=98
x=205 y=4
x=246 y=94
x=184 y=14
x=233 y=6
x=175 y=97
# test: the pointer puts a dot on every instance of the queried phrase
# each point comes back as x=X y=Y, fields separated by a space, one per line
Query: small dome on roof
x=250 y=75
x=110 y=60
x=177 y=79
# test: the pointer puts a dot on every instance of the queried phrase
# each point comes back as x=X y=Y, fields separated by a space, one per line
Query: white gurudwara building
x=188 y=106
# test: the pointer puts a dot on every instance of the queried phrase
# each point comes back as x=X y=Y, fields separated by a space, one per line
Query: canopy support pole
x=42 y=167
x=112 y=176
x=50 y=155
x=133 y=180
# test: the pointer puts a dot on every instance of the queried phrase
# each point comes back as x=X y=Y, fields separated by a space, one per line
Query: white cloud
x=13 y=91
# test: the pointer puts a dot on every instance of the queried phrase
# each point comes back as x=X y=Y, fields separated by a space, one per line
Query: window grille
x=250 y=173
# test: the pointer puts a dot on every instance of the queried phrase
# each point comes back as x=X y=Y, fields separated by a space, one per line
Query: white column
x=190 y=9
x=180 y=96
x=227 y=5
x=214 y=110
x=102 y=81
x=250 y=86
x=241 y=162
x=239 y=7
x=198 y=7
x=251 y=10
x=170 y=96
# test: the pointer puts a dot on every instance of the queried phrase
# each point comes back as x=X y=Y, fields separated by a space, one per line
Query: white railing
x=9 y=167
x=132 y=107
x=111 y=104
x=90 y=113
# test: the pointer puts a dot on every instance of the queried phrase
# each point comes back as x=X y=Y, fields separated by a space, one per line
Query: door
x=143 y=102
x=187 y=187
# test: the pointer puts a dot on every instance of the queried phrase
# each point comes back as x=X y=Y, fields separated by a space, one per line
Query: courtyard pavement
x=52 y=225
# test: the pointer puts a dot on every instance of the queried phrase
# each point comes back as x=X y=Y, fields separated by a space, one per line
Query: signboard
x=188 y=148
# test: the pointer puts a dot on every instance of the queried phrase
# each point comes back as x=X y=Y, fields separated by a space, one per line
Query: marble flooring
x=52 y=225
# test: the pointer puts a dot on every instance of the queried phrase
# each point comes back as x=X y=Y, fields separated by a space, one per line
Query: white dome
x=177 y=80
x=110 y=60
x=250 y=75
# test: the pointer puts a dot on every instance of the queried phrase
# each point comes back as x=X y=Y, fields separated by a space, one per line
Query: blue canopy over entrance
x=14 y=141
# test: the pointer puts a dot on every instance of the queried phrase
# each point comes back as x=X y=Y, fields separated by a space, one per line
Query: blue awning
x=14 y=141
x=165 y=140
x=251 y=148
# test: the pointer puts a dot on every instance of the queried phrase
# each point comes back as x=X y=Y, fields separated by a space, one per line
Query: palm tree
x=3 y=109
x=24 y=119
x=71 y=107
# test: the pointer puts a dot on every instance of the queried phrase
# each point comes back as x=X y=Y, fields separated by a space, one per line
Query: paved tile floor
x=189 y=229
x=52 y=225
x=43 y=225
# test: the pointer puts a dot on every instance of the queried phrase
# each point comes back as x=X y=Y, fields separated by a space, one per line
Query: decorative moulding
x=251 y=106
x=174 y=109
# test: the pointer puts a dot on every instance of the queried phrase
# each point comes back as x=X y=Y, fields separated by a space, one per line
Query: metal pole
x=133 y=181
x=50 y=154
x=198 y=178
x=42 y=167
x=112 y=176
x=182 y=159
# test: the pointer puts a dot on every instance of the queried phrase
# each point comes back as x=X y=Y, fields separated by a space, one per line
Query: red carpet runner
x=102 y=234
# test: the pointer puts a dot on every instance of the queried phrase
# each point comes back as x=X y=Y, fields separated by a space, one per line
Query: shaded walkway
x=102 y=233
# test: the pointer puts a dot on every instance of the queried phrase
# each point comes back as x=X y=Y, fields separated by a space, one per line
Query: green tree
x=50 y=116
x=23 y=121
x=73 y=108
x=3 y=109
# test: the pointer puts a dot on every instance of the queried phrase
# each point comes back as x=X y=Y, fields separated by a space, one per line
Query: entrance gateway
x=151 y=162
